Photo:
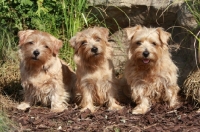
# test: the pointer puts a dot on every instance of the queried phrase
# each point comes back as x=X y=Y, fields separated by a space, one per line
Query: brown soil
x=160 y=118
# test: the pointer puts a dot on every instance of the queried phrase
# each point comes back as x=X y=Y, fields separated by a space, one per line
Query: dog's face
x=37 y=47
x=91 y=45
x=146 y=44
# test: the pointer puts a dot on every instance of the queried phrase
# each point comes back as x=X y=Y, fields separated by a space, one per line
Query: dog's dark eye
x=98 y=39
x=154 y=43
x=31 y=42
x=83 y=42
x=138 y=42
x=46 y=46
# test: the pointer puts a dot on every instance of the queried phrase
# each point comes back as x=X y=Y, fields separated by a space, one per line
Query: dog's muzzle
x=36 y=53
x=145 y=53
x=94 y=50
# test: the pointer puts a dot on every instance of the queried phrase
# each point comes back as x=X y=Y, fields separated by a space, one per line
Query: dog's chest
x=152 y=81
x=39 y=80
x=100 y=78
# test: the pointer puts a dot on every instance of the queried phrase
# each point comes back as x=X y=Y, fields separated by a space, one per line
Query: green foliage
x=74 y=18
x=194 y=7
x=23 y=14
x=7 y=46
x=6 y=125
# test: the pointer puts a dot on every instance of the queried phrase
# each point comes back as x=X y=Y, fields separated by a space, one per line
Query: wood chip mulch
x=160 y=118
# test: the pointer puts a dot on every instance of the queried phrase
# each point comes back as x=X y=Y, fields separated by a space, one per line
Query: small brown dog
x=95 y=77
x=150 y=71
x=44 y=77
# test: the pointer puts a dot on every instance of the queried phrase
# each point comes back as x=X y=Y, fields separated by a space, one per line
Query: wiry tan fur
x=45 y=78
x=152 y=78
x=96 y=83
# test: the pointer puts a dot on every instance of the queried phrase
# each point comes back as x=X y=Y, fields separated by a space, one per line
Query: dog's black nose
x=94 y=49
x=36 y=52
x=145 y=53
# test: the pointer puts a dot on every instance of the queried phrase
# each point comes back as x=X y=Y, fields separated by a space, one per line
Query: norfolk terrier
x=150 y=71
x=45 y=78
x=96 y=82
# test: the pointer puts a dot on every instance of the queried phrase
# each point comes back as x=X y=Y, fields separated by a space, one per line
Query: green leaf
x=26 y=2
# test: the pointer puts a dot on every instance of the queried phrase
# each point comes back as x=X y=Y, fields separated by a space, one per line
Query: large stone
x=129 y=3
x=185 y=18
x=123 y=13
x=172 y=15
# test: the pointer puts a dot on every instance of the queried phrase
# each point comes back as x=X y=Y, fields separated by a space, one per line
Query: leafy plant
x=75 y=20
x=7 y=46
x=194 y=7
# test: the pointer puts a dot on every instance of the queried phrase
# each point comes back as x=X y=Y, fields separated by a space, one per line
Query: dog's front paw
x=91 y=108
x=175 y=104
x=140 y=110
x=115 y=107
x=57 y=109
x=23 y=106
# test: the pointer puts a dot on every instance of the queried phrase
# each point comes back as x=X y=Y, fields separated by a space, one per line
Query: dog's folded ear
x=131 y=31
x=72 y=41
x=163 y=35
x=104 y=32
x=57 y=45
x=23 y=35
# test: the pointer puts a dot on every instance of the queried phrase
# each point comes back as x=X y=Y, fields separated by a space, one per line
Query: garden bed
x=160 y=118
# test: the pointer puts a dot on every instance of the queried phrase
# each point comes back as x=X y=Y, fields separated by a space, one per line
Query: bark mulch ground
x=160 y=118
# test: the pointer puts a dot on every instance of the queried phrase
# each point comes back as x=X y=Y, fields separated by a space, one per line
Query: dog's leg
x=112 y=105
x=172 y=96
x=26 y=103
x=87 y=101
x=23 y=105
x=58 y=101
x=142 y=107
